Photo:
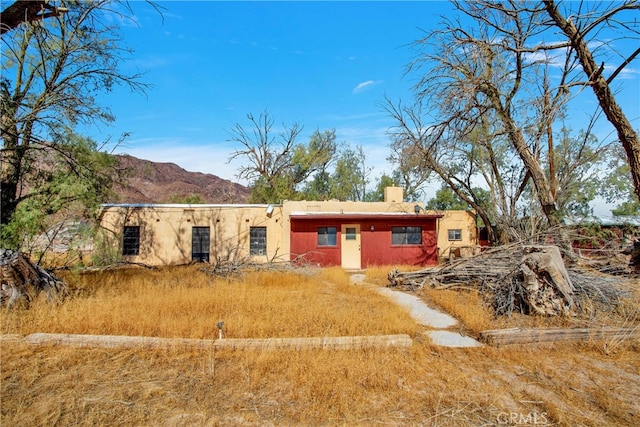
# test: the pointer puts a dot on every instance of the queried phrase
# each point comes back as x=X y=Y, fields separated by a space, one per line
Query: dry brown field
x=571 y=384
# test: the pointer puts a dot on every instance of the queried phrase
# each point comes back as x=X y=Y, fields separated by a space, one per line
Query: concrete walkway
x=426 y=316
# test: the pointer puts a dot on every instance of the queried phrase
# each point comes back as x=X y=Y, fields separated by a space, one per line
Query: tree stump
x=634 y=256
x=21 y=281
x=549 y=290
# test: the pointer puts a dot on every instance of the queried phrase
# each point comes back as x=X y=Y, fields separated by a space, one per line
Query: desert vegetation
x=593 y=383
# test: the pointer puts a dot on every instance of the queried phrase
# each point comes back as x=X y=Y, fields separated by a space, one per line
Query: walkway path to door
x=425 y=316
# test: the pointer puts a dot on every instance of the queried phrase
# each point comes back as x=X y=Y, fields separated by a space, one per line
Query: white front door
x=350 y=246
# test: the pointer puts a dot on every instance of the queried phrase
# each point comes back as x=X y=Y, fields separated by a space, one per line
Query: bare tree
x=411 y=171
x=487 y=81
x=581 y=27
x=269 y=155
x=436 y=151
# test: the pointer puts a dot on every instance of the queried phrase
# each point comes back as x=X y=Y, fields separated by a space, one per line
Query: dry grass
x=423 y=385
x=476 y=314
x=185 y=302
x=379 y=275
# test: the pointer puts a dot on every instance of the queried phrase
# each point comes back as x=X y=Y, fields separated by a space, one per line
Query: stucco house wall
x=166 y=231
x=448 y=243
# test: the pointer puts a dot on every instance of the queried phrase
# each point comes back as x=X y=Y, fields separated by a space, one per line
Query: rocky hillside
x=150 y=182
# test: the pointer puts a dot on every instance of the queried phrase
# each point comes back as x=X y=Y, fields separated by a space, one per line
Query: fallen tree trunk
x=118 y=341
x=21 y=281
x=321 y=343
x=497 y=337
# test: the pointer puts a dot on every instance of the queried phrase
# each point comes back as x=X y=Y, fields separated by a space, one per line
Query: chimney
x=393 y=195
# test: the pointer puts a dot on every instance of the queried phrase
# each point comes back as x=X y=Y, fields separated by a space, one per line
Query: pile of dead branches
x=520 y=278
x=237 y=267
x=21 y=281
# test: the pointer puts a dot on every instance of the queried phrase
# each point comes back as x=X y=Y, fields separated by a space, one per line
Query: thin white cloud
x=361 y=87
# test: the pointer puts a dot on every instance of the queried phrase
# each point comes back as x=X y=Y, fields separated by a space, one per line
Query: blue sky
x=325 y=65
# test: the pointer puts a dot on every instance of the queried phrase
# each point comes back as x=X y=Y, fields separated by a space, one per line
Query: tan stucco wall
x=165 y=230
x=457 y=220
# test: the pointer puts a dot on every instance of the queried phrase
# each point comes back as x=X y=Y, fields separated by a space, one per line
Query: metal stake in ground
x=220 y=325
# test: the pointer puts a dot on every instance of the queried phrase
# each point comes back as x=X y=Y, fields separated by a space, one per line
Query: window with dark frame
x=455 y=234
x=200 y=242
x=406 y=235
x=131 y=240
x=327 y=236
x=258 y=241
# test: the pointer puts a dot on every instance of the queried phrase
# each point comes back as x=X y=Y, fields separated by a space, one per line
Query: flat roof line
x=184 y=205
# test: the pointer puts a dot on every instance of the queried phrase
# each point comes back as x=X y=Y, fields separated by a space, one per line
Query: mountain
x=151 y=182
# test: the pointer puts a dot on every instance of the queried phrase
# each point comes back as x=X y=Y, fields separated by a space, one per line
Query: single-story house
x=353 y=235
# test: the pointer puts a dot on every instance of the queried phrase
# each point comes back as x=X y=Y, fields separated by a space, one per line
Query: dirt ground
x=568 y=384
x=426 y=385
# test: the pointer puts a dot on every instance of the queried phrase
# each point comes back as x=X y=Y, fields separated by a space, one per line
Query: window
x=350 y=233
x=131 y=240
x=406 y=235
x=455 y=234
x=258 y=241
x=200 y=237
x=327 y=236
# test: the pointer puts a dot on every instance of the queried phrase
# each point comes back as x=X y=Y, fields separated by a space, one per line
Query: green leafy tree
x=52 y=71
x=377 y=194
x=68 y=180
x=617 y=185
x=349 y=178
x=411 y=169
x=191 y=199
x=446 y=199
x=312 y=164
x=579 y=164
x=629 y=208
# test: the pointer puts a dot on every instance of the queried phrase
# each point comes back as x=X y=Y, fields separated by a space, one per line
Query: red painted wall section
x=378 y=250
x=375 y=243
x=304 y=244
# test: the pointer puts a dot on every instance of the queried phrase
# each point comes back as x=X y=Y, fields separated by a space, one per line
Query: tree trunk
x=21 y=281
x=9 y=179
x=549 y=290
x=626 y=134
x=26 y=11
x=543 y=191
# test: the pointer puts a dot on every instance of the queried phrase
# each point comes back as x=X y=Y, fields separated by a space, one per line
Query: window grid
x=258 y=240
x=131 y=240
x=200 y=238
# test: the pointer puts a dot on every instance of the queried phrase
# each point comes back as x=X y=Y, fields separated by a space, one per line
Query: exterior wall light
x=372 y=228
